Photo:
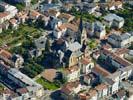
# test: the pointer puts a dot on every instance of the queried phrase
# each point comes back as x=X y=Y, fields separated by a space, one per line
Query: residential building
x=18 y=60
x=72 y=73
x=22 y=80
x=120 y=40
x=86 y=65
x=90 y=79
x=113 y=20
x=4 y=16
x=70 y=89
x=34 y=15
x=14 y=23
x=21 y=17
x=53 y=13
x=88 y=95
x=102 y=90
x=96 y=29
x=66 y=17
x=114 y=5
x=99 y=30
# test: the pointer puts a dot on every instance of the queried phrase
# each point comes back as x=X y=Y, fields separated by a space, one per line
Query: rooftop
x=49 y=74
x=5 y=54
x=85 y=61
x=68 y=87
x=111 y=17
x=22 y=77
x=74 y=47
x=4 y=14
x=101 y=71
x=101 y=87
x=71 y=69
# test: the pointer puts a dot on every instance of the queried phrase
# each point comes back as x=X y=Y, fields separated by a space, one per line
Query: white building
x=120 y=40
x=22 y=80
x=113 y=20
x=72 y=73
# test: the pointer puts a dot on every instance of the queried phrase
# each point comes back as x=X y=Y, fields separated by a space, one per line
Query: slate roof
x=120 y=37
x=74 y=47
x=111 y=17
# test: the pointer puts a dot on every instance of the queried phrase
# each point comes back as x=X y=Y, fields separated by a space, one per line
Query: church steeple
x=82 y=36
x=81 y=24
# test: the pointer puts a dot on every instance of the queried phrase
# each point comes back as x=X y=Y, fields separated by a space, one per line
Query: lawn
x=15 y=37
x=46 y=84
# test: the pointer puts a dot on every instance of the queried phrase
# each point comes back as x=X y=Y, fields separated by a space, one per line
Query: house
x=121 y=95
x=121 y=52
x=11 y=95
x=96 y=29
x=60 y=31
x=54 y=23
x=120 y=40
x=70 y=89
x=101 y=72
x=66 y=17
x=34 y=14
x=99 y=30
x=18 y=60
x=87 y=7
x=86 y=65
x=8 y=8
x=115 y=5
x=96 y=54
x=113 y=86
x=73 y=54
x=67 y=6
x=90 y=79
x=13 y=23
x=23 y=92
x=53 y=13
x=113 y=20
x=21 y=17
x=129 y=55
x=88 y=95
x=5 y=25
x=5 y=54
x=102 y=90
x=114 y=59
x=72 y=73
x=4 y=16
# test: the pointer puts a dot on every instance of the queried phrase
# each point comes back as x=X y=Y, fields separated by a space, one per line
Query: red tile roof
x=116 y=58
x=85 y=61
x=101 y=71
x=68 y=87
x=5 y=53
x=101 y=87
x=3 y=14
